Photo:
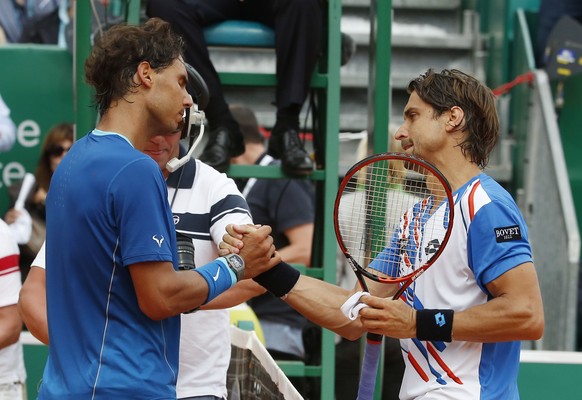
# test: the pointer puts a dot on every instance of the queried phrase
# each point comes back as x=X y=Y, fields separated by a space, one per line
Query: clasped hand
x=254 y=244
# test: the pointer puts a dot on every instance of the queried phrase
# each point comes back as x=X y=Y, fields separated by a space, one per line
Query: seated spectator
x=56 y=144
x=29 y=21
x=101 y=20
x=298 y=32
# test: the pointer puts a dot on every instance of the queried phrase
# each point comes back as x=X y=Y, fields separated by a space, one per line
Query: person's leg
x=189 y=18
x=298 y=31
x=298 y=35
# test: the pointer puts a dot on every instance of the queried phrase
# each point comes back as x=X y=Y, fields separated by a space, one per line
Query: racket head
x=393 y=216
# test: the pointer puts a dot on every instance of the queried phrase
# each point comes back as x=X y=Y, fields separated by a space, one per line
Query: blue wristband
x=218 y=277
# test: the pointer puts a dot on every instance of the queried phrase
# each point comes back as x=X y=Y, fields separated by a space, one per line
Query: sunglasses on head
x=57 y=151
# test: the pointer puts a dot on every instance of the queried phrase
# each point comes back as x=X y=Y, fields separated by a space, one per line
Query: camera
x=185 y=252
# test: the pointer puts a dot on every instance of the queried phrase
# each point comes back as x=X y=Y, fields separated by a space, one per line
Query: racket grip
x=369 y=367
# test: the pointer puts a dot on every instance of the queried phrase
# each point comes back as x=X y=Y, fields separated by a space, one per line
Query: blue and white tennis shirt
x=489 y=238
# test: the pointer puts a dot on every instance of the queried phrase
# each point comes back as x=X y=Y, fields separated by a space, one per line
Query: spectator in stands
x=12 y=371
x=56 y=144
x=7 y=128
x=101 y=20
x=549 y=13
x=298 y=30
x=112 y=234
x=29 y=21
x=287 y=205
x=487 y=298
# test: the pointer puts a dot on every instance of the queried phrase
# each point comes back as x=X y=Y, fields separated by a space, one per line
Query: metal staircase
x=425 y=34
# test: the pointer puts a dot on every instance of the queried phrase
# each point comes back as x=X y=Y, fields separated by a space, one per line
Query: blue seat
x=235 y=33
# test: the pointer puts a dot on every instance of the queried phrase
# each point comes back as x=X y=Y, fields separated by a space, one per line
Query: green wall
x=570 y=123
x=549 y=381
x=34 y=359
x=36 y=82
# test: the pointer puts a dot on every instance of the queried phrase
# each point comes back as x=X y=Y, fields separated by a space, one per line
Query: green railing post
x=85 y=114
x=379 y=97
x=379 y=73
x=133 y=11
x=330 y=184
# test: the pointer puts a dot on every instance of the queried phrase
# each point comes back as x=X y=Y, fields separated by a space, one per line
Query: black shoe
x=348 y=48
x=221 y=146
x=288 y=148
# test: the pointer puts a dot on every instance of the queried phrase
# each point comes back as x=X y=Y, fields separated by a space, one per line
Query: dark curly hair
x=448 y=88
x=117 y=53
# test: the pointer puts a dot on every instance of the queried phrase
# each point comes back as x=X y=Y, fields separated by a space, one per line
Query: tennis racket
x=393 y=217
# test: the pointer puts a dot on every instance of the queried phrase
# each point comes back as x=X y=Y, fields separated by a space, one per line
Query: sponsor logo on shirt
x=432 y=247
x=158 y=241
x=507 y=233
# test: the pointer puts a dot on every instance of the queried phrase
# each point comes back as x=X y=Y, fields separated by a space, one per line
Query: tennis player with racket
x=461 y=320
x=382 y=228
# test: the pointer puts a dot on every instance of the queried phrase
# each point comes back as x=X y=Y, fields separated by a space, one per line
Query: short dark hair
x=248 y=124
x=116 y=54
x=448 y=88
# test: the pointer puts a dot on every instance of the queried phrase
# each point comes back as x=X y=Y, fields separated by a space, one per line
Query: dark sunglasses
x=57 y=151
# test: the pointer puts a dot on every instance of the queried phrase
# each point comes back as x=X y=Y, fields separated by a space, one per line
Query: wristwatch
x=236 y=264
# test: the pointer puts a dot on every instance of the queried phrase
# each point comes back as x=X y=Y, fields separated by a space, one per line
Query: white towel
x=351 y=308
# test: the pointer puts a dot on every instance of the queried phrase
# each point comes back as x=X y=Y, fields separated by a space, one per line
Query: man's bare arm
x=515 y=313
x=32 y=304
x=163 y=292
x=10 y=325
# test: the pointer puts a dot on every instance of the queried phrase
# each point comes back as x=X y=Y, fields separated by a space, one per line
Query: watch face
x=236 y=261
x=237 y=264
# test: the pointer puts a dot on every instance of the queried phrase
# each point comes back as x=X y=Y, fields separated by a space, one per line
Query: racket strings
x=392 y=217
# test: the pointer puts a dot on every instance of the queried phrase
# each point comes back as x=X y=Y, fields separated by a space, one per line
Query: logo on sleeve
x=507 y=234
x=158 y=241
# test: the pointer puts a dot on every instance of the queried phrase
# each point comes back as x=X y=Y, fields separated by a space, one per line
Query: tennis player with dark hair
x=203 y=202
x=461 y=322
x=114 y=294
